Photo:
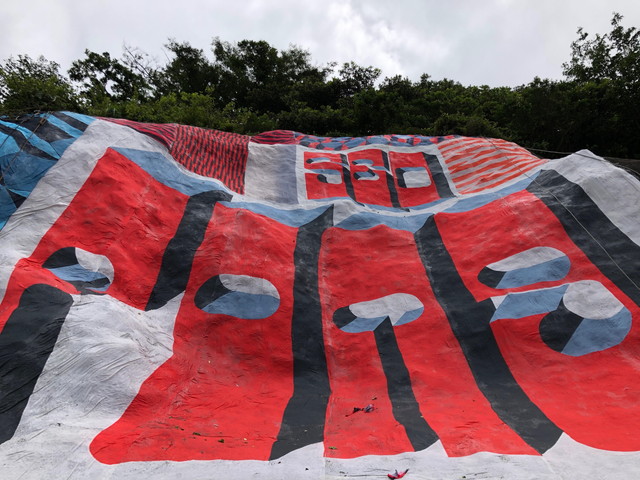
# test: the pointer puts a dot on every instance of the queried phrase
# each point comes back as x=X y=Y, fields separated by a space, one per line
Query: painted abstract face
x=237 y=328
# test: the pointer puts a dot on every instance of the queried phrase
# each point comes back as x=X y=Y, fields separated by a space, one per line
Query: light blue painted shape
x=76 y=273
x=292 y=218
x=244 y=305
x=356 y=142
x=366 y=220
x=409 y=316
x=377 y=141
x=363 y=161
x=170 y=174
x=314 y=160
x=86 y=119
x=365 y=324
x=64 y=126
x=596 y=335
x=366 y=175
x=519 y=305
x=551 y=270
x=361 y=324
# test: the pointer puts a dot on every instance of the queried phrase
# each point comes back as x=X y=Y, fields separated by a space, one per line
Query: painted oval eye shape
x=538 y=264
x=589 y=318
x=239 y=296
x=88 y=272
x=366 y=316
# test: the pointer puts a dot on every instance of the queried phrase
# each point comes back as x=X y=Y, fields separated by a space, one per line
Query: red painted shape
x=411 y=197
x=120 y=212
x=594 y=398
x=372 y=192
x=275 y=137
x=364 y=265
x=223 y=392
x=314 y=162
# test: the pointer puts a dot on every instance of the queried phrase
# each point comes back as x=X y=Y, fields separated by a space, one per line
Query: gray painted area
x=527 y=258
x=393 y=306
x=400 y=308
x=270 y=174
x=416 y=177
x=591 y=299
x=612 y=189
x=247 y=284
x=104 y=352
x=95 y=263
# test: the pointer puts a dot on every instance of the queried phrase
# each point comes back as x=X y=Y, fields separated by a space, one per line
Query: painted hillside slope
x=189 y=303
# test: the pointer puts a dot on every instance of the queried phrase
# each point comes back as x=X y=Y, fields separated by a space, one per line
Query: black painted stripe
x=178 y=257
x=439 y=178
x=403 y=401
x=589 y=228
x=391 y=184
x=346 y=177
x=469 y=321
x=61 y=258
x=491 y=278
x=71 y=121
x=15 y=198
x=26 y=342
x=43 y=129
x=304 y=417
x=23 y=143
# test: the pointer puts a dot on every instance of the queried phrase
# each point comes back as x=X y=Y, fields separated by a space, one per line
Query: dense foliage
x=250 y=86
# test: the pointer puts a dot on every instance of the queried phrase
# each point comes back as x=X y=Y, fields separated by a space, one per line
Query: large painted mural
x=188 y=303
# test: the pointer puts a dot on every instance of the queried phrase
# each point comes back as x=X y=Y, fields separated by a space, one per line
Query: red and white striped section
x=477 y=164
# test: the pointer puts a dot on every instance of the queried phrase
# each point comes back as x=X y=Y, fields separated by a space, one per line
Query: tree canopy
x=251 y=86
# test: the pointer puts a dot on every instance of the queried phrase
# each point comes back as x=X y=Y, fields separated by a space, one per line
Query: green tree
x=353 y=78
x=605 y=70
x=255 y=75
x=104 y=78
x=613 y=56
x=188 y=71
x=27 y=85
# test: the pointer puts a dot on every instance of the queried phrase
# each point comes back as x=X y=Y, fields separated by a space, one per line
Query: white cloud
x=497 y=42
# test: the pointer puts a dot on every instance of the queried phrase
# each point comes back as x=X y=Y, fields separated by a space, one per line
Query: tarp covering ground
x=181 y=303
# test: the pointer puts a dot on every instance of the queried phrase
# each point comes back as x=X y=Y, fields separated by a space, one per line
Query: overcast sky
x=475 y=42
